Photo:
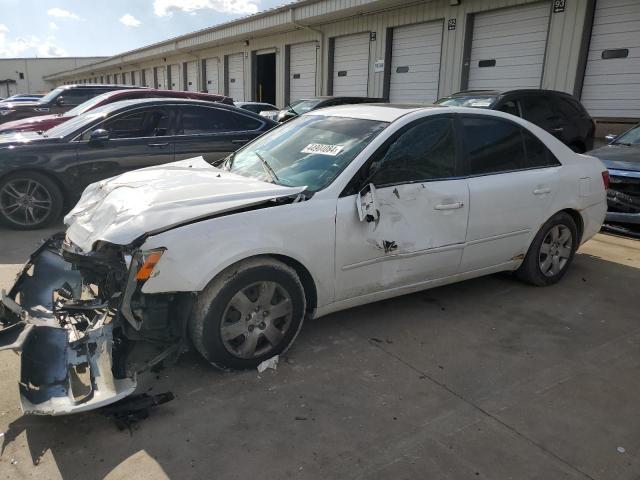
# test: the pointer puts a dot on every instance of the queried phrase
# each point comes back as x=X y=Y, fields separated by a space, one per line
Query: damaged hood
x=120 y=209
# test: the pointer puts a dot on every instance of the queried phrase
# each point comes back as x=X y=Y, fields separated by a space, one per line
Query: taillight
x=605 y=179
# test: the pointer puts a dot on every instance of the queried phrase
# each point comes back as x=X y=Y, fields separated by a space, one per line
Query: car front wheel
x=551 y=251
x=249 y=313
x=29 y=200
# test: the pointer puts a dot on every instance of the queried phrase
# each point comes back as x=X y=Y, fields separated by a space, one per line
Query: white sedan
x=337 y=208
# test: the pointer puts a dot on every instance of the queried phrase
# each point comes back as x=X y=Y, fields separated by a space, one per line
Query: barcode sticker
x=322 y=149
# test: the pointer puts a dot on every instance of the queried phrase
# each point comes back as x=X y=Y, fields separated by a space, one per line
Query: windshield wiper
x=267 y=168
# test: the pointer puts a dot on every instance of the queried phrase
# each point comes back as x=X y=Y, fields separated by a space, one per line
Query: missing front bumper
x=65 y=340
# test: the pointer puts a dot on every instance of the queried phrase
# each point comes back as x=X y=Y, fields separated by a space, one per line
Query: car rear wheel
x=29 y=200
x=247 y=314
x=551 y=251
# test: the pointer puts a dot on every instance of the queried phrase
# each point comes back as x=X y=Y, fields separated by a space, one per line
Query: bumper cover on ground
x=65 y=342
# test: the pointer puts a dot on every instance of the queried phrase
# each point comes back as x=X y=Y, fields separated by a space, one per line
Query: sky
x=84 y=28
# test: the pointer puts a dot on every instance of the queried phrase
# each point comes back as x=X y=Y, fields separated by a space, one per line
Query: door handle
x=158 y=145
x=449 y=206
x=242 y=140
x=557 y=130
x=542 y=191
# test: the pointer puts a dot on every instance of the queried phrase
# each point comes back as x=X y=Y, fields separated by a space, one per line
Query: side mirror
x=60 y=101
x=367 y=204
x=99 y=137
x=610 y=137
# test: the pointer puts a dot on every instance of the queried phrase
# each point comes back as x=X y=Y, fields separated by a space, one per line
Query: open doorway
x=265 y=85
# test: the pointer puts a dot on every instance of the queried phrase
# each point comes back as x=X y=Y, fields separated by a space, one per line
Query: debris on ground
x=132 y=409
x=269 y=363
x=621 y=449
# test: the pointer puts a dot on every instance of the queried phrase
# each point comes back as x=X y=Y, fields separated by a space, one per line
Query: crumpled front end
x=62 y=324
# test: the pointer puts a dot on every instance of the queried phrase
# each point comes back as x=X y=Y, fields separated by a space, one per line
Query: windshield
x=303 y=106
x=309 y=151
x=86 y=106
x=480 y=101
x=69 y=127
x=51 y=95
x=631 y=137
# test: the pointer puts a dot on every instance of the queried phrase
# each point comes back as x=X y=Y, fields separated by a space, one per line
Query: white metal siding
x=612 y=86
x=302 y=70
x=236 y=77
x=192 y=77
x=516 y=39
x=175 y=77
x=351 y=65
x=415 y=63
x=211 y=75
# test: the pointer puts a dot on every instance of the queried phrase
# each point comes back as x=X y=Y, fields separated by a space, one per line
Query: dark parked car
x=42 y=175
x=305 y=105
x=558 y=113
x=622 y=159
x=256 y=107
x=45 y=122
x=59 y=100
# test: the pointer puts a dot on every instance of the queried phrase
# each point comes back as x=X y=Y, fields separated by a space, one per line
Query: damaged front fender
x=64 y=335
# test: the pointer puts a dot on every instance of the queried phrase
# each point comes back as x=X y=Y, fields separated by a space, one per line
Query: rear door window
x=205 y=120
x=537 y=110
x=140 y=124
x=538 y=155
x=492 y=145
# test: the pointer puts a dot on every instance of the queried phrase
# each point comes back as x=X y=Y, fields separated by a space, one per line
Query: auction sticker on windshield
x=322 y=149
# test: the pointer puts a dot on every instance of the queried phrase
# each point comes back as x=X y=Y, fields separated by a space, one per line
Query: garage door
x=507 y=48
x=148 y=77
x=211 y=75
x=351 y=65
x=173 y=76
x=236 y=77
x=161 y=77
x=302 y=71
x=612 y=79
x=415 y=63
x=192 y=77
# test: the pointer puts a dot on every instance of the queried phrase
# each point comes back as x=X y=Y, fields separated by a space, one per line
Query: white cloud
x=53 y=26
x=61 y=13
x=163 y=8
x=129 y=20
x=29 y=45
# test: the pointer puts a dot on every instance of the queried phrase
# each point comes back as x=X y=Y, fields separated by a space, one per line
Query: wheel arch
x=54 y=178
x=577 y=218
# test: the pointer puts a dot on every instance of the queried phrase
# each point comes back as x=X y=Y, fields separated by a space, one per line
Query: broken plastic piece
x=269 y=363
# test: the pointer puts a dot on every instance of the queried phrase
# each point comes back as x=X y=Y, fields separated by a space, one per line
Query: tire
x=577 y=147
x=234 y=313
x=541 y=265
x=29 y=201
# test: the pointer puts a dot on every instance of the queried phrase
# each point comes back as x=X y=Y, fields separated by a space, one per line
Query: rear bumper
x=64 y=337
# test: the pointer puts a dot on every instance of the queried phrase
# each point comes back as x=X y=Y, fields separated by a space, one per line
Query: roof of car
x=495 y=93
x=386 y=112
x=102 y=85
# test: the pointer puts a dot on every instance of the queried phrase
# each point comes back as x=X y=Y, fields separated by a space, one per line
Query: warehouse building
x=26 y=75
x=405 y=51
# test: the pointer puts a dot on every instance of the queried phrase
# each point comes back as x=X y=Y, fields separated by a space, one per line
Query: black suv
x=58 y=100
x=558 y=113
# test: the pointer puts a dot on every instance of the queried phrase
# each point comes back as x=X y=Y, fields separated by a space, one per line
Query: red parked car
x=45 y=122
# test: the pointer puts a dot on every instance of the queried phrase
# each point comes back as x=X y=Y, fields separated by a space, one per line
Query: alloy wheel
x=555 y=250
x=25 y=201
x=256 y=319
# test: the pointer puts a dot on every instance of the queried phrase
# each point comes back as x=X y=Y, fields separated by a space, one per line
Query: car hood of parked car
x=34 y=124
x=619 y=157
x=142 y=202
